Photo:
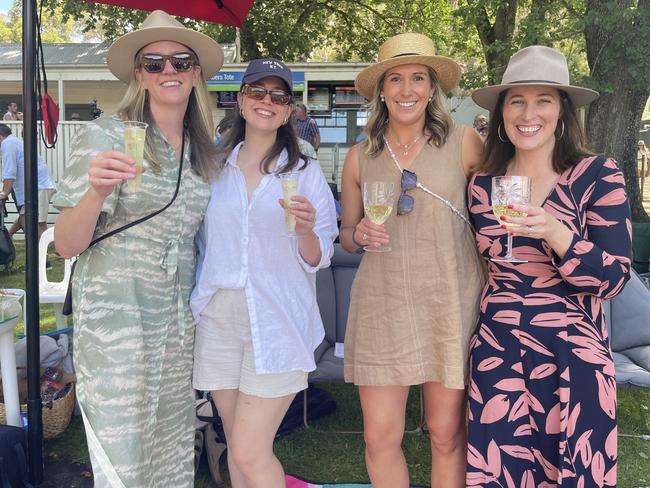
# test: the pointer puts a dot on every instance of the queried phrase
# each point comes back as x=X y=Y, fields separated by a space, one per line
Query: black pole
x=35 y=422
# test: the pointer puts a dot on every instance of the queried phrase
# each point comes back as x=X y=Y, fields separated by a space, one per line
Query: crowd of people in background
x=207 y=280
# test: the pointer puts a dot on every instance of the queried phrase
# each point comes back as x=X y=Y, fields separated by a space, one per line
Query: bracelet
x=360 y=249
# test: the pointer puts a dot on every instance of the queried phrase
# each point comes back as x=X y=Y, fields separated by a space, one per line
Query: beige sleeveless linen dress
x=413 y=309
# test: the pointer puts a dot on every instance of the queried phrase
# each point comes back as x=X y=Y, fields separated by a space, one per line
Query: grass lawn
x=322 y=454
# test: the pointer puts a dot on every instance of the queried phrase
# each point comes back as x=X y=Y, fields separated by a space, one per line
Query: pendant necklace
x=405 y=147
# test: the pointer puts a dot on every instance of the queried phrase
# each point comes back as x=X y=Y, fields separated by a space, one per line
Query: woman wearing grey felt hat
x=541 y=369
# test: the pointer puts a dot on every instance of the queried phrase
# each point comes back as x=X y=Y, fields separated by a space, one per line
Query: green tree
x=54 y=28
x=617 y=34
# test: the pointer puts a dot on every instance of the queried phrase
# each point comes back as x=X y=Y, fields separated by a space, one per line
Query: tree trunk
x=614 y=120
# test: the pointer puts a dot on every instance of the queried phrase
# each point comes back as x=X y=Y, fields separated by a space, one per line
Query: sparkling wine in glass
x=289 y=189
x=378 y=202
x=134 y=136
x=507 y=190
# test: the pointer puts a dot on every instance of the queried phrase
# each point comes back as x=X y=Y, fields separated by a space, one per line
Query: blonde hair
x=197 y=122
x=437 y=119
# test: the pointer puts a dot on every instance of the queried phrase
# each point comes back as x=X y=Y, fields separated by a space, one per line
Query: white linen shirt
x=245 y=244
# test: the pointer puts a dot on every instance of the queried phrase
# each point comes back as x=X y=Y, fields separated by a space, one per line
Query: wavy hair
x=286 y=138
x=437 y=119
x=570 y=140
x=197 y=124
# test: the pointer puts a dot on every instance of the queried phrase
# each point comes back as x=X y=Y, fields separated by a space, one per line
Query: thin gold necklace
x=405 y=147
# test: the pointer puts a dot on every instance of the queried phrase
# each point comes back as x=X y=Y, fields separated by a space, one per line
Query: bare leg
x=445 y=417
x=18 y=224
x=384 y=410
x=251 y=444
x=226 y=402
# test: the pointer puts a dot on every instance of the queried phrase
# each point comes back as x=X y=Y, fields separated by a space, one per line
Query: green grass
x=321 y=453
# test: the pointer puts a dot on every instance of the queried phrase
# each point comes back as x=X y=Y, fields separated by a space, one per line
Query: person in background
x=413 y=308
x=12 y=112
x=75 y=117
x=481 y=126
x=642 y=159
x=307 y=127
x=134 y=331
x=542 y=400
x=255 y=296
x=13 y=175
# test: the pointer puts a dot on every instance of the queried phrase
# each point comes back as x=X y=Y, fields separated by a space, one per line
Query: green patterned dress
x=133 y=330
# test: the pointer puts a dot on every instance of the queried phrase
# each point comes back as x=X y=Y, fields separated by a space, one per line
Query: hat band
x=533 y=81
x=407 y=54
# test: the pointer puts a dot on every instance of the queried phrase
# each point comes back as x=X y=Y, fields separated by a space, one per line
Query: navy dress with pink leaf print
x=542 y=389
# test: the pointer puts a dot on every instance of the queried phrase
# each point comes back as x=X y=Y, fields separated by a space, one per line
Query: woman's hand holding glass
x=369 y=234
x=108 y=169
x=536 y=222
x=303 y=211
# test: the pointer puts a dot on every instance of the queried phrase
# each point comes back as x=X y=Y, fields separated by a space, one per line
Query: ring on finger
x=364 y=236
x=530 y=231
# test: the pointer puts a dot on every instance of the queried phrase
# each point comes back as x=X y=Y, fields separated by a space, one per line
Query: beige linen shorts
x=44 y=197
x=223 y=352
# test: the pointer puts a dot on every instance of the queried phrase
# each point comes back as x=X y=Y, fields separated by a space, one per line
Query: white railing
x=330 y=158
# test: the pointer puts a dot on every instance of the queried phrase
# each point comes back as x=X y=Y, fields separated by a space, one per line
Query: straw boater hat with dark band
x=408 y=48
x=159 y=26
x=535 y=66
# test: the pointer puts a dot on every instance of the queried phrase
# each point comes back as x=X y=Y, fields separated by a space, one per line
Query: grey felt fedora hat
x=534 y=66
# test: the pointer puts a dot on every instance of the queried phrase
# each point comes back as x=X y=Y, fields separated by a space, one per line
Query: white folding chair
x=50 y=291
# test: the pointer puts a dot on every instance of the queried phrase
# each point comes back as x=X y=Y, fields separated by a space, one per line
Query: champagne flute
x=507 y=190
x=134 y=136
x=378 y=201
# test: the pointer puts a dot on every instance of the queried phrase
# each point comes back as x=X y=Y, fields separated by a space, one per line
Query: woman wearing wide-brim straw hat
x=542 y=402
x=133 y=328
x=412 y=308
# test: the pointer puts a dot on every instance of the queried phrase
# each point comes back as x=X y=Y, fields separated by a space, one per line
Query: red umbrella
x=228 y=12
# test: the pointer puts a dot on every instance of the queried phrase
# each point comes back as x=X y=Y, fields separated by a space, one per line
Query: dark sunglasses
x=155 y=63
x=278 y=97
x=405 y=202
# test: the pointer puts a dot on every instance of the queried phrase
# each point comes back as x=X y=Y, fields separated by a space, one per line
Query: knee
x=446 y=435
x=383 y=436
x=244 y=457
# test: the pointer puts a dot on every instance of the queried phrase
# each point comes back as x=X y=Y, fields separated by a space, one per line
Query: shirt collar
x=232 y=158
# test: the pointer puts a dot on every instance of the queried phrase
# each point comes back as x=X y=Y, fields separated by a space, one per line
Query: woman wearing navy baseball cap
x=269 y=228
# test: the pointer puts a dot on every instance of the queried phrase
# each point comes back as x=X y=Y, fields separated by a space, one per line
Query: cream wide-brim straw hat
x=409 y=48
x=535 y=66
x=160 y=26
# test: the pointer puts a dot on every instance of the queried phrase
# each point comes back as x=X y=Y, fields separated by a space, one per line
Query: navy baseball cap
x=261 y=68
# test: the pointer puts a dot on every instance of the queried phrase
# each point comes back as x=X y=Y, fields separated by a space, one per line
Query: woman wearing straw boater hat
x=413 y=308
x=542 y=402
x=133 y=328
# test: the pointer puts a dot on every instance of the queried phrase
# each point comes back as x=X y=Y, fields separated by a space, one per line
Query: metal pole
x=35 y=423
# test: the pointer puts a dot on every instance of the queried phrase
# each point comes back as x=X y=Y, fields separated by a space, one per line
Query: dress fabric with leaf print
x=542 y=394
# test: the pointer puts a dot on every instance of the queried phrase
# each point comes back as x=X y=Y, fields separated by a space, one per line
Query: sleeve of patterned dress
x=599 y=262
x=92 y=138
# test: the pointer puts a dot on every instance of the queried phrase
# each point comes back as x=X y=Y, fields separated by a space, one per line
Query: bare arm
x=75 y=226
x=472 y=150
x=352 y=220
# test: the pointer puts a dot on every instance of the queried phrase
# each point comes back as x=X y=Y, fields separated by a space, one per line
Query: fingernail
x=502 y=226
x=511 y=206
x=503 y=217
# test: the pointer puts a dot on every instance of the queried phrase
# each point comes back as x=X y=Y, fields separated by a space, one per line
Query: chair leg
x=60 y=318
x=305 y=413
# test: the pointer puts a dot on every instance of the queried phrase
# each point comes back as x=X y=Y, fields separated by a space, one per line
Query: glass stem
x=509 y=247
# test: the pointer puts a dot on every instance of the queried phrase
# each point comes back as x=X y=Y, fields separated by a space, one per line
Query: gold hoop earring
x=241 y=113
x=562 y=131
x=499 y=133
x=286 y=119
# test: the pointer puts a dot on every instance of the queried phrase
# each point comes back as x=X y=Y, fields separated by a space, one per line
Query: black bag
x=13 y=457
x=7 y=248
x=67 y=302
